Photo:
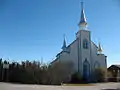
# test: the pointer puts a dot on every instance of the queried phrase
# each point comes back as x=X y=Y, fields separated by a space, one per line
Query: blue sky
x=31 y=29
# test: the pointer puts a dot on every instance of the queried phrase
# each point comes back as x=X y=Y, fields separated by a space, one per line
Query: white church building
x=84 y=53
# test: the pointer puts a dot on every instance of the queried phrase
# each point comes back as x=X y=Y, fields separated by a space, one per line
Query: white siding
x=85 y=53
x=99 y=58
x=74 y=54
x=94 y=57
x=102 y=61
x=64 y=56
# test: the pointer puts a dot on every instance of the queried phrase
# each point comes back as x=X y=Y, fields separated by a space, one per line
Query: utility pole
x=2 y=74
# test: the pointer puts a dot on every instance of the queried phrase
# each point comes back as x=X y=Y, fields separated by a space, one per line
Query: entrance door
x=86 y=69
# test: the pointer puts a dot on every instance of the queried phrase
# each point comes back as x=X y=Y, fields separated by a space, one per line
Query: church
x=84 y=53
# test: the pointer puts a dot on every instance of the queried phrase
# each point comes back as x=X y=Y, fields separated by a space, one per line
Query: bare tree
x=60 y=72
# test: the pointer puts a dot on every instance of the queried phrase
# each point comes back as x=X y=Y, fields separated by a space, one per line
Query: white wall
x=85 y=53
x=101 y=59
x=74 y=54
x=64 y=56
x=94 y=57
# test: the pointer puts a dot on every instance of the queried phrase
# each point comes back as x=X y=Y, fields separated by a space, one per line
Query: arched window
x=85 y=44
x=97 y=65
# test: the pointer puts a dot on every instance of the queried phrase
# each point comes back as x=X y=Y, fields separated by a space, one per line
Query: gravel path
x=7 y=86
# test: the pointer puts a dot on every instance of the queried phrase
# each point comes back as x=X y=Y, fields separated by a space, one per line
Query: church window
x=97 y=65
x=85 y=44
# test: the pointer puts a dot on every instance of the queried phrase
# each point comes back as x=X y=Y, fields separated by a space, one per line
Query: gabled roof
x=94 y=44
x=118 y=66
x=67 y=47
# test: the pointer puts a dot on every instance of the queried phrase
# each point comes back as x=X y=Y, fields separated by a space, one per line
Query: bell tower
x=83 y=22
x=84 y=46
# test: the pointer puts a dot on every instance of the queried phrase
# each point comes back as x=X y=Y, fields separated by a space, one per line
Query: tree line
x=35 y=72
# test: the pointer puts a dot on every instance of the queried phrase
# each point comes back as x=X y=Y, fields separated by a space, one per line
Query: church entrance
x=86 y=69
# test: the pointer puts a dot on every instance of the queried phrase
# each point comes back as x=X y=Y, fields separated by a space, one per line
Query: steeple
x=83 y=23
x=99 y=48
x=64 y=44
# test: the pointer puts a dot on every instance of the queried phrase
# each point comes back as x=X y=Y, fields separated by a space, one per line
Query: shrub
x=99 y=75
x=76 y=78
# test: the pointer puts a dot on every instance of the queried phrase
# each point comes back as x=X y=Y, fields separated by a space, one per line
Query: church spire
x=64 y=44
x=83 y=23
x=99 y=48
